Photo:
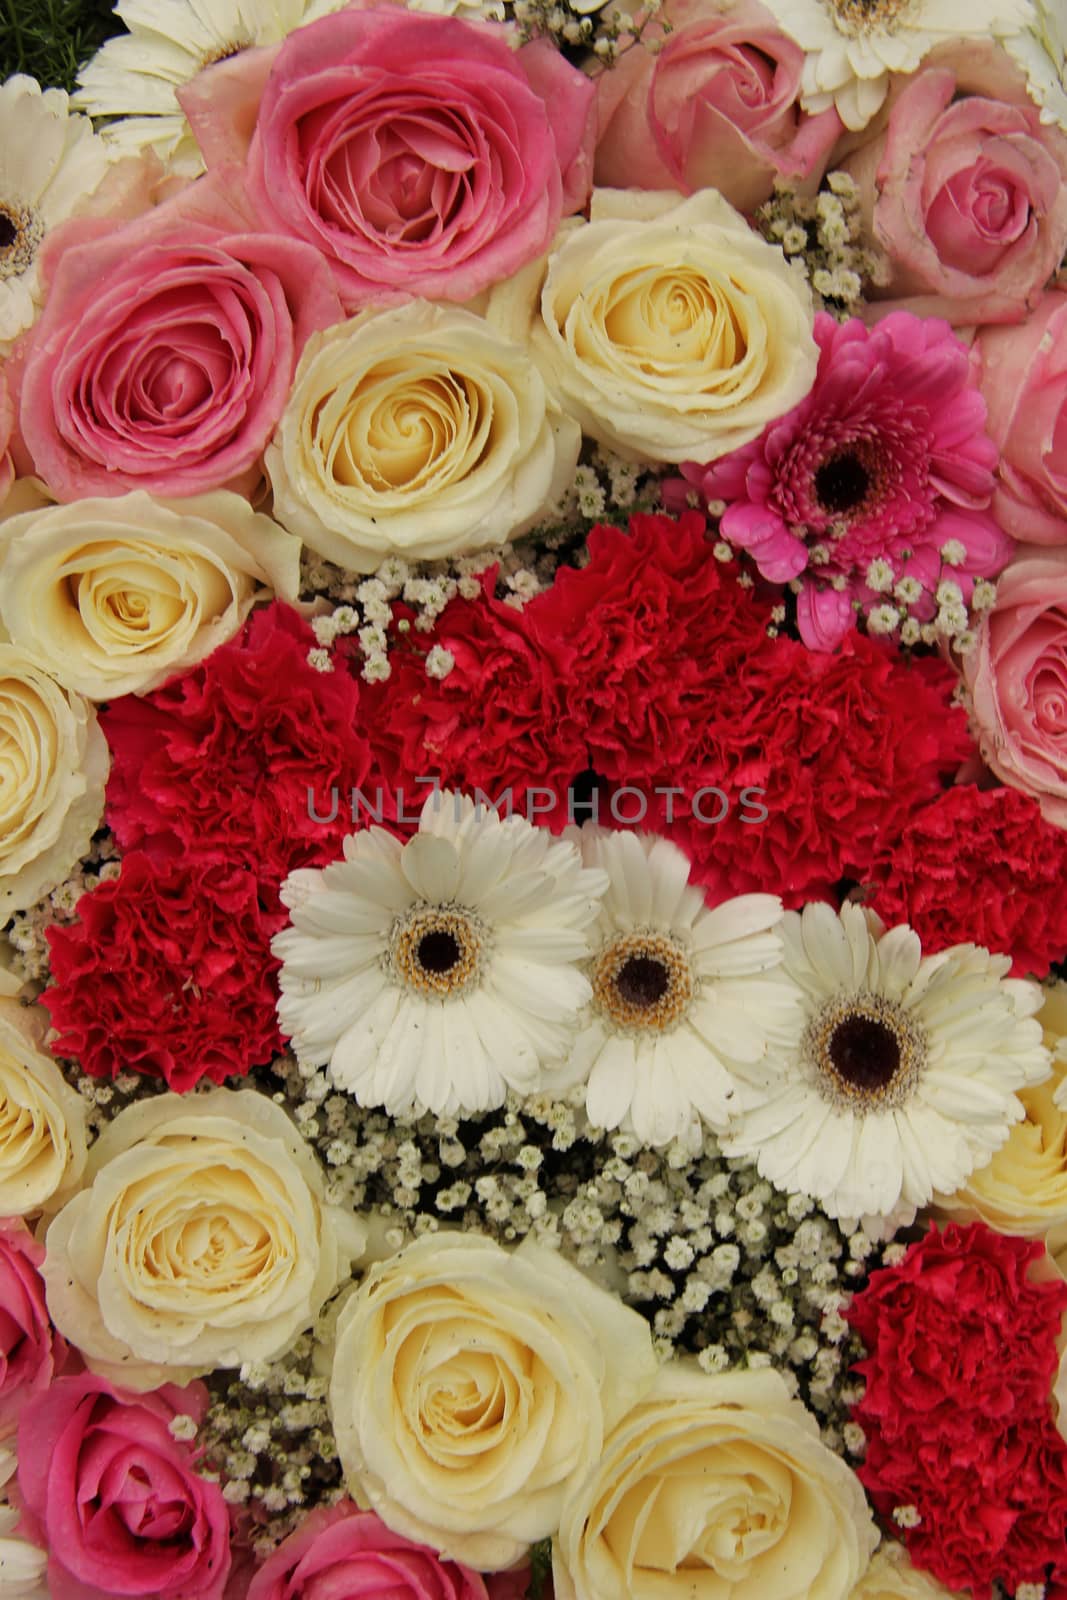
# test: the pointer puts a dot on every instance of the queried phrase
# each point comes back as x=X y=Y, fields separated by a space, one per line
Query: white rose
x=200 y=1241
x=715 y=1485
x=668 y=328
x=472 y=1390
x=118 y=595
x=891 y=1576
x=54 y=764
x=417 y=432
x=42 y=1119
x=23 y=1566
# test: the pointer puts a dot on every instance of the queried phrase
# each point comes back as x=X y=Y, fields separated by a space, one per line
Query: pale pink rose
x=966 y=190
x=167 y=347
x=344 y=1551
x=1017 y=678
x=7 y=423
x=422 y=155
x=31 y=1351
x=114 y=1497
x=716 y=107
x=1022 y=373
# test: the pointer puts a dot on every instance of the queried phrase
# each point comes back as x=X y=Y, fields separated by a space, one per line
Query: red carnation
x=647 y=636
x=167 y=972
x=961 y=1356
x=493 y=723
x=844 y=747
x=979 y=866
x=237 y=761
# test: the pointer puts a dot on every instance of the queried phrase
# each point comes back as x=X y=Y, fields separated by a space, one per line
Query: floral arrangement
x=533 y=803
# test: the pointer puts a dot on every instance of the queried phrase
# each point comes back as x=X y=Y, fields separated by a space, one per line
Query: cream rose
x=42 y=1119
x=53 y=767
x=472 y=1390
x=200 y=1240
x=715 y=1485
x=1023 y=1189
x=420 y=432
x=669 y=329
x=118 y=595
x=891 y=1576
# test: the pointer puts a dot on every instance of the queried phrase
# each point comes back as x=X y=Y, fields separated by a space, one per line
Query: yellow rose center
x=400 y=432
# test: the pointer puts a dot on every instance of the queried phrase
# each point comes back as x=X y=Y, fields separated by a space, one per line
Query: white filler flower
x=443 y=971
x=903 y=1073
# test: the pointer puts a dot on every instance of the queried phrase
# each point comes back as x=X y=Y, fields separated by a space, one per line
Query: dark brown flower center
x=842 y=483
x=438 y=952
x=21 y=231
x=8 y=231
x=642 y=981
x=865 y=1052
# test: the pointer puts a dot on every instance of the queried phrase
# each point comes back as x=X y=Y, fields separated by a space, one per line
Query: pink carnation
x=887 y=459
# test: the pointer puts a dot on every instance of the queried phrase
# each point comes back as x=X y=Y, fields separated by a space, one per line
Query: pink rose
x=1022 y=373
x=113 y=1495
x=167 y=347
x=31 y=1351
x=967 y=191
x=1017 y=677
x=345 y=1551
x=422 y=155
x=716 y=108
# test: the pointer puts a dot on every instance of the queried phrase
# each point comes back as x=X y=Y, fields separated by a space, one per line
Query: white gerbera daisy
x=443 y=971
x=681 y=994
x=49 y=161
x=135 y=75
x=903 y=1072
x=853 y=45
x=1041 y=51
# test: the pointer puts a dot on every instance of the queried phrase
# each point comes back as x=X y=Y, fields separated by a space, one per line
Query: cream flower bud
x=200 y=1241
x=417 y=431
x=669 y=329
x=118 y=595
x=472 y=1390
x=42 y=1119
x=715 y=1483
x=55 y=762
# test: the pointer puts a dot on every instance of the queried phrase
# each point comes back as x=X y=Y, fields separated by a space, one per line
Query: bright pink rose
x=716 y=108
x=345 y=1551
x=1017 y=677
x=114 y=1497
x=967 y=192
x=31 y=1350
x=1022 y=372
x=7 y=422
x=422 y=155
x=167 y=347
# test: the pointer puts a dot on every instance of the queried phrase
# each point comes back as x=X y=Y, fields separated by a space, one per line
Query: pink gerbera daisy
x=877 y=482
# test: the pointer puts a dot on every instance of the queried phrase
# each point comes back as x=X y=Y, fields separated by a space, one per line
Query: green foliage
x=540 y=1569
x=51 y=39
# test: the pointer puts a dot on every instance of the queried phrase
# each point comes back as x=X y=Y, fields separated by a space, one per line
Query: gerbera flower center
x=225 y=52
x=867 y=16
x=866 y=1051
x=21 y=231
x=842 y=483
x=643 y=981
x=437 y=950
